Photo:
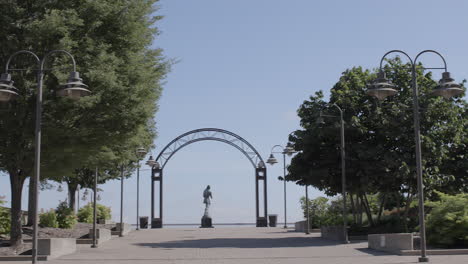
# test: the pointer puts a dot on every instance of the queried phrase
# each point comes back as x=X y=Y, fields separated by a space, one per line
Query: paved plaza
x=233 y=246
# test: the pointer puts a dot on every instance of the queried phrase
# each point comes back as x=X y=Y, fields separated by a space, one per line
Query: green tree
x=379 y=139
x=85 y=214
x=317 y=210
x=447 y=223
x=4 y=218
x=112 y=42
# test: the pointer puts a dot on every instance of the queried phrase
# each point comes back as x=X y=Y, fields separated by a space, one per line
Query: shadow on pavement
x=243 y=243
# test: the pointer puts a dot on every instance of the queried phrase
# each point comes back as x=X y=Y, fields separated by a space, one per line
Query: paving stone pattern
x=234 y=246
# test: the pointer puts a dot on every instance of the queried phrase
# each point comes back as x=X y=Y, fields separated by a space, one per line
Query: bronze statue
x=207 y=196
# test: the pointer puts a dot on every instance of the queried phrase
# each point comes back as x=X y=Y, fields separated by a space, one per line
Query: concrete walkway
x=233 y=246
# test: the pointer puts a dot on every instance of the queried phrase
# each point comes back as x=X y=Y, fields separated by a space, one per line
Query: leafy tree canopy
x=380 y=151
x=112 y=42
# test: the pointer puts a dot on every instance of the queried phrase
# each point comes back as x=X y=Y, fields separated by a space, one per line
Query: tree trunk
x=368 y=211
x=72 y=195
x=382 y=204
x=353 y=208
x=359 y=207
x=405 y=213
x=16 y=186
x=31 y=201
x=398 y=205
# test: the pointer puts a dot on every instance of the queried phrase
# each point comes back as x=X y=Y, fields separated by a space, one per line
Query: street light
x=74 y=88
x=94 y=245
x=288 y=150
x=320 y=120
x=307 y=210
x=381 y=88
x=140 y=153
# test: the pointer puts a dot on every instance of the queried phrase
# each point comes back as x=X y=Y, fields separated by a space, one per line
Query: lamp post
x=77 y=198
x=288 y=150
x=381 y=88
x=140 y=153
x=74 y=88
x=94 y=245
x=307 y=210
x=343 y=167
x=121 y=200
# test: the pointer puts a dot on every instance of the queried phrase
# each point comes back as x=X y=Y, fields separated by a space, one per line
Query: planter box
x=104 y=222
x=335 y=233
x=56 y=247
x=102 y=234
x=391 y=242
x=300 y=226
x=126 y=228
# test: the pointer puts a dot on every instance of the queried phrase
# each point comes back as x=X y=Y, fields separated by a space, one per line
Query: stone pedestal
x=206 y=222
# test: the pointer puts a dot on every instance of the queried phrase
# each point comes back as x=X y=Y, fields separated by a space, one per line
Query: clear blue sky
x=246 y=66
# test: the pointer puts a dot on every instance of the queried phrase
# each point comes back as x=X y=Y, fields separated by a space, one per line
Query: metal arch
x=214 y=134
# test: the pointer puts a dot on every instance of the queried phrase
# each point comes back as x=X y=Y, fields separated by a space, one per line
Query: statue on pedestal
x=206 y=219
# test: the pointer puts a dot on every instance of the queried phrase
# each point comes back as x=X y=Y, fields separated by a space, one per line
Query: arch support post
x=157 y=176
x=260 y=175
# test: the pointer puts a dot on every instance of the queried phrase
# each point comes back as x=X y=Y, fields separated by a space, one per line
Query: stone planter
x=126 y=228
x=391 y=242
x=56 y=247
x=104 y=222
x=102 y=234
x=335 y=233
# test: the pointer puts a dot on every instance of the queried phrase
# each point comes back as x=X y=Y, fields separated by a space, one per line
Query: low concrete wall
x=333 y=233
x=56 y=247
x=391 y=242
x=126 y=229
x=102 y=234
x=300 y=226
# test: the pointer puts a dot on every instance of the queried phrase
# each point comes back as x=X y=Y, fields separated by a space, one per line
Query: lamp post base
x=262 y=222
x=423 y=259
x=156 y=223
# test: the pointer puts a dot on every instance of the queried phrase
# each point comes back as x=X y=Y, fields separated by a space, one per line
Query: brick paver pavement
x=234 y=246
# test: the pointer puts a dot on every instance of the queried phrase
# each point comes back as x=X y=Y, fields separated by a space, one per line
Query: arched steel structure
x=213 y=134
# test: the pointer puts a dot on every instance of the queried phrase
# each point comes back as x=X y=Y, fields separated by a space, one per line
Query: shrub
x=65 y=216
x=48 y=219
x=447 y=223
x=4 y=219
x=85 y=214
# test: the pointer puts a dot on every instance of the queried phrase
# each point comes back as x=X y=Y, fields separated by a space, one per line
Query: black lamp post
x=94 y=245
x=288 y=150
x=121 y=200
x=307 y=227
x=74 y=89
x=381 y=88
x=343 y=167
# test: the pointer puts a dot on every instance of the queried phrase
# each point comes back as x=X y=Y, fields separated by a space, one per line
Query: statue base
x=206 y=222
